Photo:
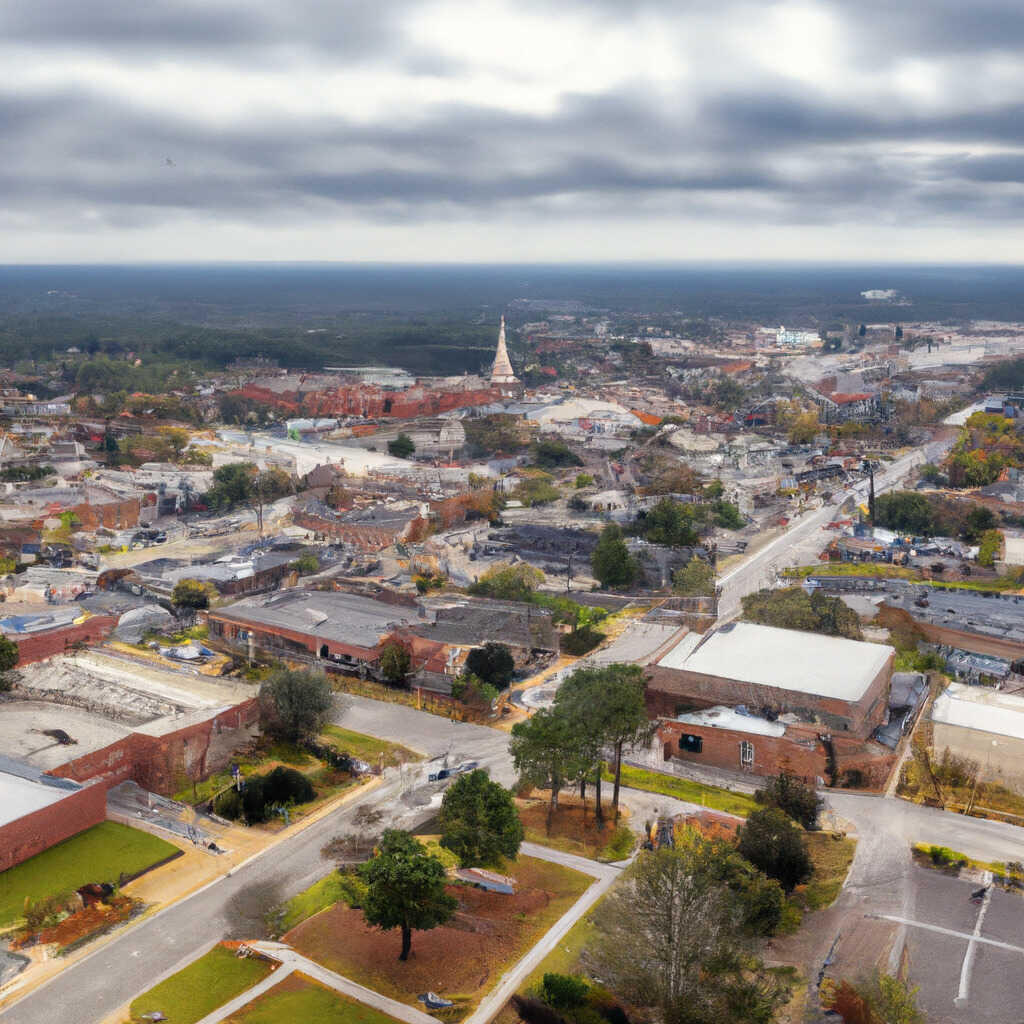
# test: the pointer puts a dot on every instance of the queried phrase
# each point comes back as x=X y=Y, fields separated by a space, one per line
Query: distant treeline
x=423 y=346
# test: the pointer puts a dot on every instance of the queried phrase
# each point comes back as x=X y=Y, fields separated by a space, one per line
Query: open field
x=103 y=853
x=461 y=960
x=574 y=828
x=201 y=987
x=686 y=789
x=299 y=999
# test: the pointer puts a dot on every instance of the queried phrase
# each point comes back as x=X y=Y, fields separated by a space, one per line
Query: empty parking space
x=985 y=986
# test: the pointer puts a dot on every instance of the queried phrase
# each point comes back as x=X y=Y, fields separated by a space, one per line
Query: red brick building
x=38 y=810
x=756 y=699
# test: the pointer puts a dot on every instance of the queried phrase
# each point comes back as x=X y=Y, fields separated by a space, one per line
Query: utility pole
x=869 y=467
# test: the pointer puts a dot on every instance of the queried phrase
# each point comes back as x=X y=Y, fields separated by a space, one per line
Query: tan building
x=983 y=724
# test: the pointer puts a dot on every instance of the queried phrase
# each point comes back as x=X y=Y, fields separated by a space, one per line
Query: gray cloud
x=765 y=148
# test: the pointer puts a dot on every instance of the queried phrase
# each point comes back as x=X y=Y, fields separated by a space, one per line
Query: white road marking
x=972 y=946
x=949 y=931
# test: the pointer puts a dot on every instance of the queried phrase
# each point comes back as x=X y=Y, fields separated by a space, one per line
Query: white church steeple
x=502 y=372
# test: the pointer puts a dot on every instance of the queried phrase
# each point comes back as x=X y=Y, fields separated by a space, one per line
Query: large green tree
x=295 y=703
x=8 y=659
x=606 y=709
x=793 y=797
x=611 y=562
x=405 y=888
x=479 y=821
x=772 y=843
x=546 y=750
x=493 y=663
x=395 y=662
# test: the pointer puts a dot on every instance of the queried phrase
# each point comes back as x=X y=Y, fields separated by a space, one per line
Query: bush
x=581 y=641
x=228 y=804
x=771 y=842
x=793 y=798
x=287 y=785
x=564 y=991
x=493 y=663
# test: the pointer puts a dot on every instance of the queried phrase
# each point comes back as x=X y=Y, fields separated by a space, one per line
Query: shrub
x=228 y=804
x=564 y=991
x=284 y=785
x=793 y=798
x=580 y=641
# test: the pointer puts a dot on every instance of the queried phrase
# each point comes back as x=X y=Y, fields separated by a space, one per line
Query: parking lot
x=965 y=978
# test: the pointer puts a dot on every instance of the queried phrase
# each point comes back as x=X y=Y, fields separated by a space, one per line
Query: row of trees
x=596 y=710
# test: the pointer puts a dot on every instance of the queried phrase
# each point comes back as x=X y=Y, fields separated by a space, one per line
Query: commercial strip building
x=757 y=698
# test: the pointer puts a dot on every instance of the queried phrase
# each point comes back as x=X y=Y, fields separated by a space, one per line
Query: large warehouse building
x=757 y=698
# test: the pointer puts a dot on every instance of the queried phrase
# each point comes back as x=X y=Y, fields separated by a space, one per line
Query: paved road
x=803 y=541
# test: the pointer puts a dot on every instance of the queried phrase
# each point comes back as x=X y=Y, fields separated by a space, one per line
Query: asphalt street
x=803 y=540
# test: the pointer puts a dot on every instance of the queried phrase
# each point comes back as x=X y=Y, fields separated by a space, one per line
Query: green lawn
x=367 y=748
x=102 y=853
x=319 y=896
x=201 y=987
x=686 y=789
x=298 y=998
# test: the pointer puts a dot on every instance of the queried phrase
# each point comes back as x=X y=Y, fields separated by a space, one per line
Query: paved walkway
x=293 y=962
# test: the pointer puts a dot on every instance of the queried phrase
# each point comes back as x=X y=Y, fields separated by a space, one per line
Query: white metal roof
x=981 y=708
x=722 y=717
x=828 y=666
x=21 y=796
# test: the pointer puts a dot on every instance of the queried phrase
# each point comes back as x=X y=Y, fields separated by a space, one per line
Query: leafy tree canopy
x=611 y=562
x=405 y=888
x=479 y=821
x=394 y=662
x=791 y=608
x=493 y=663
x=772 y=843
x=793 y=797
x=295 y=703
x=402 y=446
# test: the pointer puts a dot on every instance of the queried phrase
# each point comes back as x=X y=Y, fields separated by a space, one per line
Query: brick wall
x=115 y=515
x=165 y=763
x=39 y=646
x=38 y=831
x=798 y=751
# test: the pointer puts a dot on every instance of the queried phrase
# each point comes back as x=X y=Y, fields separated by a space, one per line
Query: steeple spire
x=502 y=372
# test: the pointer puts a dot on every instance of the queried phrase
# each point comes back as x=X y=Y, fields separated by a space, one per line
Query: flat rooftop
x=980 y=708
x=723 y=717
x=330 y=615
x=24 y=789
x=788 y=659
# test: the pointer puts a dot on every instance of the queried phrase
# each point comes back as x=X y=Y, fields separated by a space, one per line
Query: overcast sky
x=529 y=130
